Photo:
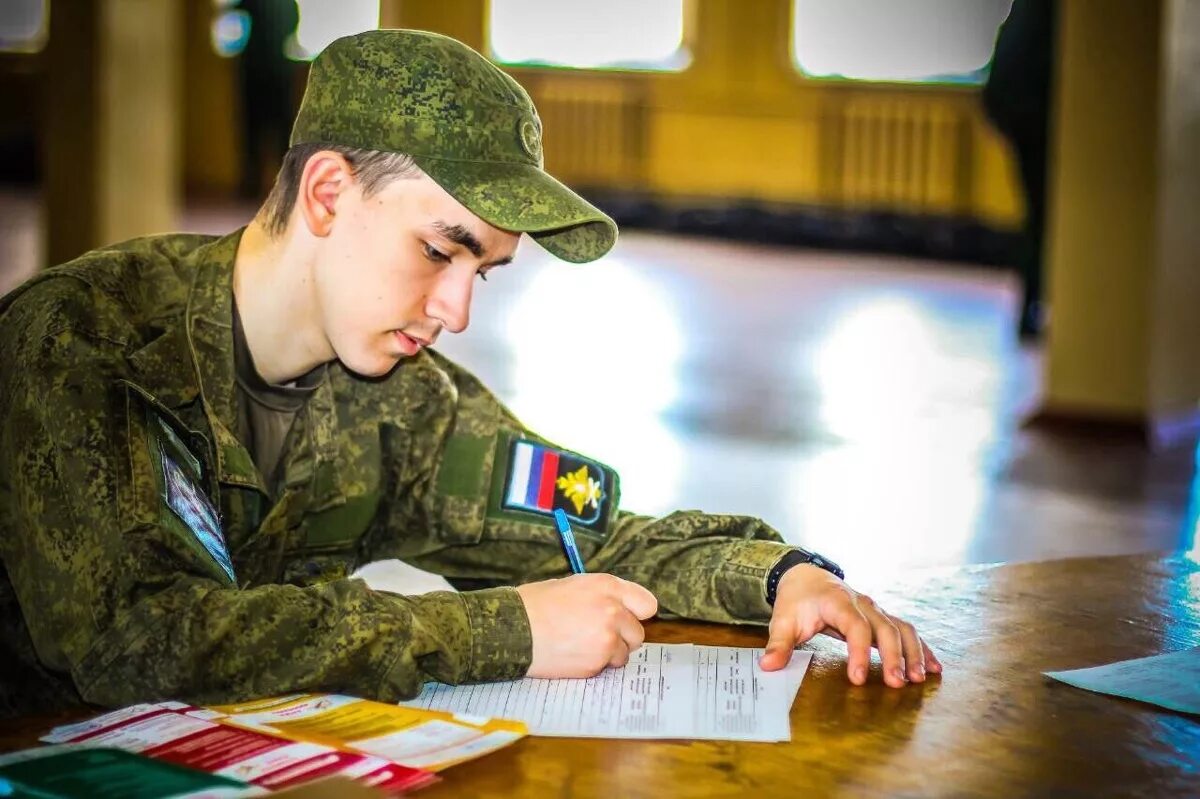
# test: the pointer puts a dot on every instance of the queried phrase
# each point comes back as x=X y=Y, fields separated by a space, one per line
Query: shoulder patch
x=542 y=479
x=194 y=510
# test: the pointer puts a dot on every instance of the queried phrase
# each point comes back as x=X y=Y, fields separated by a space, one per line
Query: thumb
x=780 y=644
x=639 y=601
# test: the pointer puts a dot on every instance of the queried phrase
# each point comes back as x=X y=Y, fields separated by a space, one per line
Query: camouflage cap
x=469 y=126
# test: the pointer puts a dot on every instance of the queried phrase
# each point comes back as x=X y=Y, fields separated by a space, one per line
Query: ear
x=326 y=176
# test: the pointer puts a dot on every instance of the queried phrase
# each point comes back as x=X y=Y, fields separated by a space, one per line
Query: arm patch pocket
x=178 y=471
x=534 y=479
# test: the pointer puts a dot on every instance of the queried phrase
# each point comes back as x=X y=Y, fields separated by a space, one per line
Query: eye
x=433 y=253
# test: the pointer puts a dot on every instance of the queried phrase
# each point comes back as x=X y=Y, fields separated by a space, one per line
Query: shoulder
x=422 y=390
x=463 y=381
x=433 y=373
x=475 y=406
x=67 y=331
x=108 y=296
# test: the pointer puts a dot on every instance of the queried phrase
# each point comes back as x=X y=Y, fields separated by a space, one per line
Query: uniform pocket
x=461 y=487
x=346 y=493
x=163 y=489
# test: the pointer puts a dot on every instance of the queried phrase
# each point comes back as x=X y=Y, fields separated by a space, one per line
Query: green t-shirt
x=266 y=411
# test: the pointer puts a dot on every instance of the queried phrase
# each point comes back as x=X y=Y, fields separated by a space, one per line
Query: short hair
x=374 y=170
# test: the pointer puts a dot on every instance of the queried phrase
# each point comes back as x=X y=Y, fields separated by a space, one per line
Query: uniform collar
x=209 y=325
x=210 y=337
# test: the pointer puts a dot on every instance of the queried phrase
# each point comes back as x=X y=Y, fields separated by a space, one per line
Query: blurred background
x=913 y=280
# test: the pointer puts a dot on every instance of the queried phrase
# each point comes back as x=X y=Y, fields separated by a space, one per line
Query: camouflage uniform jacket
x=117 y=377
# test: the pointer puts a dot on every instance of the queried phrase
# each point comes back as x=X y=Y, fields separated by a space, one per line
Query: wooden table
x=991 y=726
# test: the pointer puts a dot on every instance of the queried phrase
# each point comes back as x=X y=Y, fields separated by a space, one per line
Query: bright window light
x=564 y=329
x=24 y=25
x=916 y=41
x=615 y=34
x=322 y=21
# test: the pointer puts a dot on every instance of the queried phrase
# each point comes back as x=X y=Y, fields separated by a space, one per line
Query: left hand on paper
x=810 y=600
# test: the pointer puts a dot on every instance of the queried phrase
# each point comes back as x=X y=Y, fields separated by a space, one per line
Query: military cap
x=468 y=125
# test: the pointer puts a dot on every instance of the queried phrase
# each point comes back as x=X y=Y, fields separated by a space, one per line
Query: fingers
x=630 y=629
x=914 y=653
x=583 y=623
x=932 y=664
x=641 y=603
x=913 y=649
x=888 y=640
x=850 y=622
x=780 y=644
x=619 y=655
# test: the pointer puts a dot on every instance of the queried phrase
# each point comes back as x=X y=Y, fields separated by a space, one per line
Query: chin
x=376 y=370
x=377 y=367
x=367 y=363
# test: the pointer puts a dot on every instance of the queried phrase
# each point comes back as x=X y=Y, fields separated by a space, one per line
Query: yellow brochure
x=427 y=739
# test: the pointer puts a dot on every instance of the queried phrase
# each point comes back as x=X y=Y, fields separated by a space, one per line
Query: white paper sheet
x=1170 y=680
x=665 y=691
x=401 y=578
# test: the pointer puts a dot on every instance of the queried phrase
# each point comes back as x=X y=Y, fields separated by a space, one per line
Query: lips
x=408 y=344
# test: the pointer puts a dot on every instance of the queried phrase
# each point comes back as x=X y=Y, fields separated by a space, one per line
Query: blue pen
x=568 y=539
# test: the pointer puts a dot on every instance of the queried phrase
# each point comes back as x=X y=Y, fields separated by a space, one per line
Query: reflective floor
x=868 y=407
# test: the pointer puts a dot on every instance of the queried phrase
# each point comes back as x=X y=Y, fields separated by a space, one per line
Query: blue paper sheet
x=1171 y=681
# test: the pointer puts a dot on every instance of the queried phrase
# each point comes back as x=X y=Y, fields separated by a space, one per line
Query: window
x=24 y=25
x=613 y=34
x=322 y=21
x=915 y=41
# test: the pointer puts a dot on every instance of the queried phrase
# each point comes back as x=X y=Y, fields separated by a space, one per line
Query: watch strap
x=796 y=557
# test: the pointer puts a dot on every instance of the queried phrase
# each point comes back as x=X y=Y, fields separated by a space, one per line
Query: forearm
x=700 y=566
x=205 y=643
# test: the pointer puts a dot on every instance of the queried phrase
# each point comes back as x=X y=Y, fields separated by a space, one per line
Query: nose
x=450 y=301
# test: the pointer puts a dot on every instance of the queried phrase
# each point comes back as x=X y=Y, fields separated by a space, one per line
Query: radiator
x=593 y=131
x=896 y=154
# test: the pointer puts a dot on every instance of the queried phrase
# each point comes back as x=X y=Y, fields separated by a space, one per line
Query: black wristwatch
x=794 y=557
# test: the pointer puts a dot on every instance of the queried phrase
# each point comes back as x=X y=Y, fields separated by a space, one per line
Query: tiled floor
x=868 y=407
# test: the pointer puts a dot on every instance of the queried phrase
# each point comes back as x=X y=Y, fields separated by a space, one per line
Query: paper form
x=664 y=691
x=1171 y=681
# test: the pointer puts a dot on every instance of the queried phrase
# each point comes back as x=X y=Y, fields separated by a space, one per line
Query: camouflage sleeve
x=488 y=520
x=131 y=609
x=699 y=565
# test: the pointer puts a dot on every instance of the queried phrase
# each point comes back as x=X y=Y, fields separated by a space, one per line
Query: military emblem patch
x=530 y=138
x=542 y=479
x=194 y=509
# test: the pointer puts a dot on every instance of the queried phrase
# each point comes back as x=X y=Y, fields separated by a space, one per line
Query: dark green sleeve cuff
x=501 y=641
x=743 y=580
x=450 y=637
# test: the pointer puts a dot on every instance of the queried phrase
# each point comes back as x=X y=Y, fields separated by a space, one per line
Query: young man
x=201 y=438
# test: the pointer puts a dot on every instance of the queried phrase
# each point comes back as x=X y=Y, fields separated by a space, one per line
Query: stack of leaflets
x=415 y=737
x=73 y=772
x=256 y=747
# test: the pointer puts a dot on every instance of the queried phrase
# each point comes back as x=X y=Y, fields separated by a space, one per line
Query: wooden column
x=1124 y=343
x=1175 y=320
x=111 y=155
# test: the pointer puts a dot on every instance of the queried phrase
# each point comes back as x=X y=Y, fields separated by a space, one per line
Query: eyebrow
x=460 y=235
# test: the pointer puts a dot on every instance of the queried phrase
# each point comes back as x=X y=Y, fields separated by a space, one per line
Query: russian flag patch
x=542 y=479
